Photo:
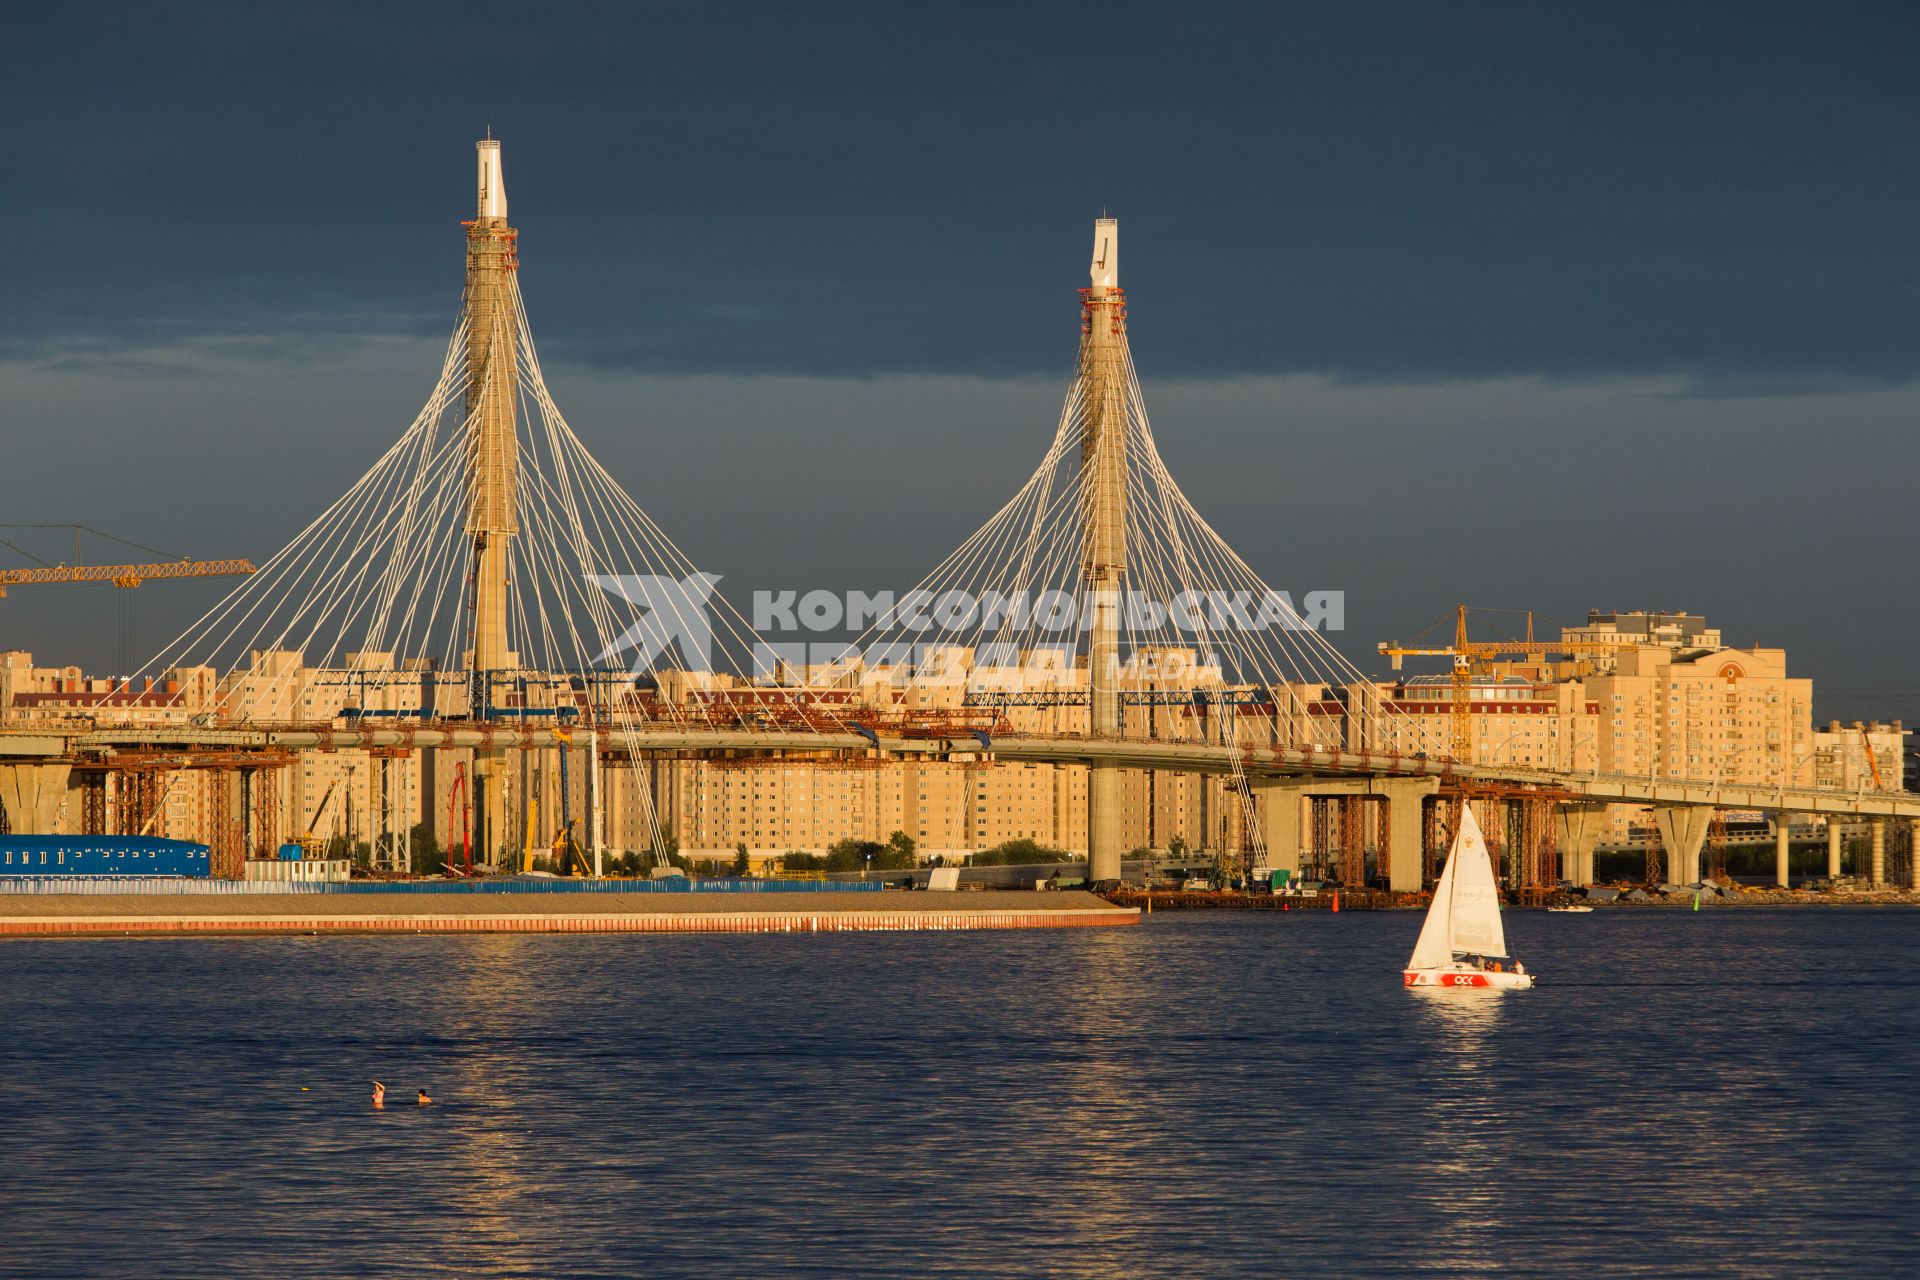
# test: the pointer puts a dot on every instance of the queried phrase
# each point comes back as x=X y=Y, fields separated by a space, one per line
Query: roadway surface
x=1261 y=762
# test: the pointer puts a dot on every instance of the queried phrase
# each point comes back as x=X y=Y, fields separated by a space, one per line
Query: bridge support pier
x=1580 y=826
x=1782 y=847
x=1404 y=825
x=1103 y=823
x=1277 y=805
x=32 y=795
x=1683 y=831
x=1833 y=847
x=1878 y=877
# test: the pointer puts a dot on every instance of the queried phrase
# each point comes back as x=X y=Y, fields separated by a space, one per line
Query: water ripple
x=1685 y=1094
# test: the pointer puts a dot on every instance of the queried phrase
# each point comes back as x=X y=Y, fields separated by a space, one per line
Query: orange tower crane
x=121 y=575
x=1471 y=656
x=124 y=576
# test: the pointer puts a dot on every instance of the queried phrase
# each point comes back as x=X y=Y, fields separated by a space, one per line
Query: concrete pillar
x=1283 y=798
x=1879 y=875
x=1833 y=848
x=1580 y=826
x=1278 y=806
x=1782 y=846
x=33 y=795
x=1405 y=863
x=1683 y=832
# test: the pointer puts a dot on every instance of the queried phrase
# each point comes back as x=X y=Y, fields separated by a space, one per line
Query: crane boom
x=1873 y=761
x=1472 y=655
x=321 y=808
x=122 y=575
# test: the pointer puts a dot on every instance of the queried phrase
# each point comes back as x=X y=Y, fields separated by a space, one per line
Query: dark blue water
x=1728 y=1093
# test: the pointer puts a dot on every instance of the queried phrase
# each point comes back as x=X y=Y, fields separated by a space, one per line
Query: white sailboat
x=1463 y=943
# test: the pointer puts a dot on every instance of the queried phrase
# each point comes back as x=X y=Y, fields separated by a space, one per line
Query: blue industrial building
x=102 y=856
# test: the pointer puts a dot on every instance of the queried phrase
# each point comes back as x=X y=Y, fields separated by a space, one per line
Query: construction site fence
x=188 y=887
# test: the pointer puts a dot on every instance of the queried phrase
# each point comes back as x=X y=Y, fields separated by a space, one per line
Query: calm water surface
x=1730 y=1093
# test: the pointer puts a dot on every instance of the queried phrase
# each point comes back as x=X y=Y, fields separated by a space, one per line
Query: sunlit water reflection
x=1726 y=1093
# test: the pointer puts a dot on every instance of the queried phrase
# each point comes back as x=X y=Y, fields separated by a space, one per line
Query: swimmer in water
x=423 y=1099
x=379 y=1094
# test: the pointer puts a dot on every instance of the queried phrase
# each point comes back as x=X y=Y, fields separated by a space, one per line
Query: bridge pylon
x=492 y=470
x=1104 y=380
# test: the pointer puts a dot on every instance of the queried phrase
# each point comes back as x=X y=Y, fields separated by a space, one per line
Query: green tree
x=1017 y=853
x=423 y=850
x=851 y=854
x=741 y=863
x=670 y=847
x=1177 y=847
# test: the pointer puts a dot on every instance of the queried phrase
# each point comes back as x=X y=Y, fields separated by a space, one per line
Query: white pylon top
x=493 y=183
x=1106 y=253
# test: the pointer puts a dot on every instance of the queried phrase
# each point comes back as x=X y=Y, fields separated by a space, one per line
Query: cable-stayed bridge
x=487 y=588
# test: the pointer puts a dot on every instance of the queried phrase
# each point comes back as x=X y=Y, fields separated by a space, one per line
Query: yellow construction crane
x=1470 y=656
x=311 y=844
x=121 y=575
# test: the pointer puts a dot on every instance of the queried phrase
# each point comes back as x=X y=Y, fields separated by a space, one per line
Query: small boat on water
x=1463 y=943
x=1572 y=909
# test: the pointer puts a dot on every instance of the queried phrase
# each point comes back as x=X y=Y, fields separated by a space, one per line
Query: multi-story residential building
x=1728 y=714
x=1676 y=632
x=1856 y=756
x=1680 y=704
x=1516 y=719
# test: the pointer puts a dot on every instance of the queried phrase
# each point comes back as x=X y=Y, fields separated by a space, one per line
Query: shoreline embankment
x=146 y=915
x=1380 y=900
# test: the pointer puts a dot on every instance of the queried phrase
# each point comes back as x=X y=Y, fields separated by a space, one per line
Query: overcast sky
x=1527 y=305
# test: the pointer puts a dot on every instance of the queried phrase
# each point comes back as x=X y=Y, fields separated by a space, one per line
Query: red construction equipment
x=459 y=792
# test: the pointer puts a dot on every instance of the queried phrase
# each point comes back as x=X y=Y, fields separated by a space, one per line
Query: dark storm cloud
x=1533 y=305
x=1367 y=191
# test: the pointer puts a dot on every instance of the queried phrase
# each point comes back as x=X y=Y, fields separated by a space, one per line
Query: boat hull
x=1463 y=977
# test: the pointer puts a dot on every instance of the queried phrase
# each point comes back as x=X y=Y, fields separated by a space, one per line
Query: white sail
x=1465 y=915
x=1475 y=920
x=1435 y=946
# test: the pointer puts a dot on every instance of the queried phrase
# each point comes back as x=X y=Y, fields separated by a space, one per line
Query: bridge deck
x=26 y=742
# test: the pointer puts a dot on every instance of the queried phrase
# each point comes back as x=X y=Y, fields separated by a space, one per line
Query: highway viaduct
x=36 y=760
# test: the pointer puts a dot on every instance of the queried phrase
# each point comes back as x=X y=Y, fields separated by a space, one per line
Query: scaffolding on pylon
x=1320 y=839
x=1717 y=849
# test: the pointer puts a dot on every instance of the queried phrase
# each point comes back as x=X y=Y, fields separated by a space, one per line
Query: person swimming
x=423 y=1099
x=379 y=1094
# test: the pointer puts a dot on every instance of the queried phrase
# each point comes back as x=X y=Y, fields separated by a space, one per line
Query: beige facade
x=275 y=686
x=1677 y=632
x=1841 y=755
x=1671 y=710
x=1726 y=714
x=1680 y=705
x=958 y=806
x=1516 y=720
x=30 y=694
